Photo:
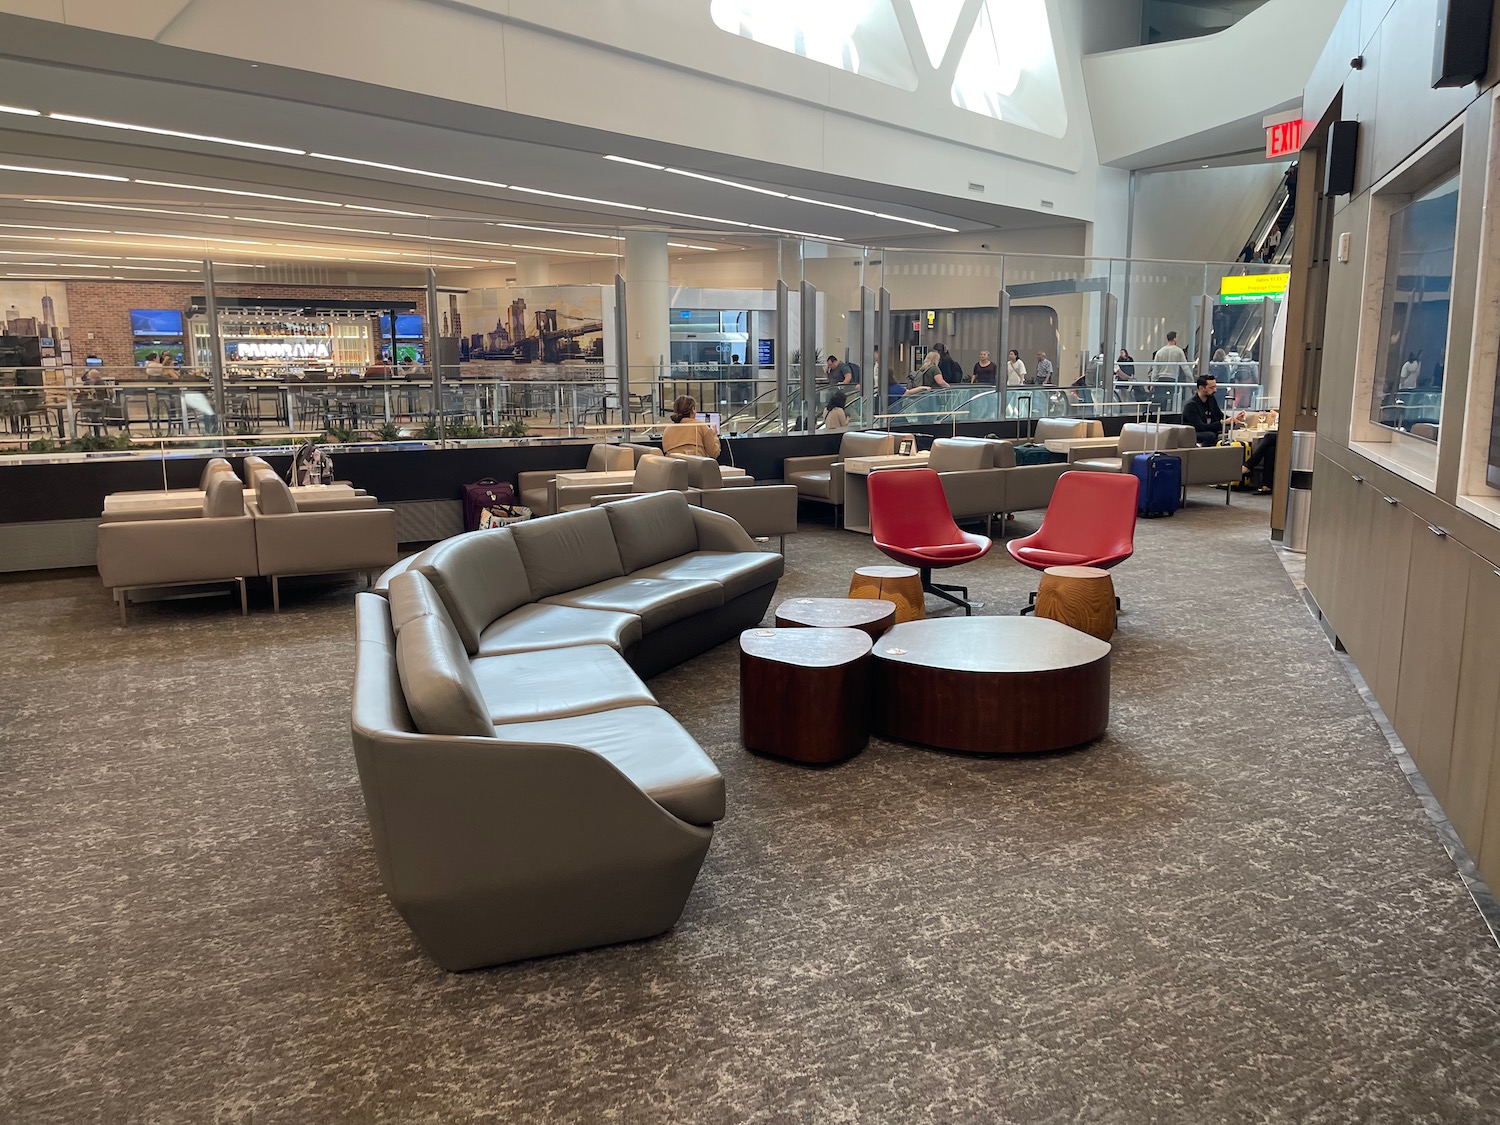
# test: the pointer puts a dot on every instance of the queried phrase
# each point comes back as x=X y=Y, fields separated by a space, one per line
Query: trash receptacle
x=1299 y=491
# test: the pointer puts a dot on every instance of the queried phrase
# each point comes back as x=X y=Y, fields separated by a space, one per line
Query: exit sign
x=1283 y=139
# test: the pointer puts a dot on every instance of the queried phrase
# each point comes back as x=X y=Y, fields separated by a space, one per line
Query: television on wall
x=155 y=322
x=408 y=326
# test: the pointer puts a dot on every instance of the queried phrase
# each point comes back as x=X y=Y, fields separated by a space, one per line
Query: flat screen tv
x=155 y=322
x=408 y=326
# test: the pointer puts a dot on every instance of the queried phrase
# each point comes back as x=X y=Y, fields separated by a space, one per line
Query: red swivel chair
x=1090 y=522
x=910 y=521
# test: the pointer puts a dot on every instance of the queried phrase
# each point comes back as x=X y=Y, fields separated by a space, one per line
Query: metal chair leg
x=275 y=594
x=244 y=601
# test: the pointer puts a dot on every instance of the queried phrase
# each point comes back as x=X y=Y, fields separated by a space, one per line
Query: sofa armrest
x=1212 y=464
x=807 y=464
x=718 y=532
x=171 y=551
x=1085 y=453
x=325 y=542
x=1030 y=486
x=572 y=494
x=345 y=502
x=763 y=511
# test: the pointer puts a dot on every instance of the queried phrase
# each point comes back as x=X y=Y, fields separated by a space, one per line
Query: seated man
x=1203 y=413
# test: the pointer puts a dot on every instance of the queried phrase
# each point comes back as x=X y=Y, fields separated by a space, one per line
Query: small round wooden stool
x=874 y=616
x=1080 y=596
x=899 y=584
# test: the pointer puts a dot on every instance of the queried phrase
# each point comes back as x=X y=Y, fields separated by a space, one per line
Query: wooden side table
x=899 y=584
x=871 y=615
x=805 y=693
x=1080 y=596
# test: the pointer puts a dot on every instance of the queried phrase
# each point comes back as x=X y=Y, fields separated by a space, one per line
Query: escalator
x=1238 y=328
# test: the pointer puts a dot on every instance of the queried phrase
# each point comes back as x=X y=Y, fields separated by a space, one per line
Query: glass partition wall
x=436 y=343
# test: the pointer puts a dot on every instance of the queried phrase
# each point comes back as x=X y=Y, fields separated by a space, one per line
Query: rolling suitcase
x=1160 y=475
x=483 y=494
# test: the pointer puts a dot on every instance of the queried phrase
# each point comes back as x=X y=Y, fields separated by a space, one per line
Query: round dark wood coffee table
x=872 y=615
x=805 y=693
x=991 y=685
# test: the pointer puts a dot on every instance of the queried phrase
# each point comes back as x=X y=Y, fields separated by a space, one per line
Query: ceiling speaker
x=1461 y=51
x=1341 y=157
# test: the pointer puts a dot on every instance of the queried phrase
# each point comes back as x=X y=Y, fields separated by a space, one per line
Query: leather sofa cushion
x=480 y=578
x=272 y=496
x=1002 y=454
x=532 y=628
x=869 y=443
x=566 y=551
x=441 y=692
x=649 y=747
x=1100 y=464
x=651 y=529
x=610 y=459
x=383 y=583
x=536 y=499
x=957 y=454
x=224 y=497
x=737 y=573
x=814 y=482
x=1048 y=429
x=657 y=602
x=531 y=686
x=412 y=596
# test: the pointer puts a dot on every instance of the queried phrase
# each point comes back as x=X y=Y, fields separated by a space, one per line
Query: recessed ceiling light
x=405 y=169
x=63 y=172
x=557 y=230
x=24 y=112
x=70 y=230
x=28 y=238
x=306 y=226
x=121 y=207
x=726 y=183
x=51 y=253
x=233 y=191
x=579 y=198
x=388 y=211
x=700 y=218
x=182 y=237
x=637 y=163
x=690 y=246
x=176 y=133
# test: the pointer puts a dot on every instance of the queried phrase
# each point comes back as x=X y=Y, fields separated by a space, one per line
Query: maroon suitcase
x=481 y=495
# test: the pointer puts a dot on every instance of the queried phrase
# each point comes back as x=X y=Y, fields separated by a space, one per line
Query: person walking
x=1015 y=370
x=1044 y=370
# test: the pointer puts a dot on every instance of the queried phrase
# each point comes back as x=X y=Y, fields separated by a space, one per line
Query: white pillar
x=533 y=269
x=647 y=293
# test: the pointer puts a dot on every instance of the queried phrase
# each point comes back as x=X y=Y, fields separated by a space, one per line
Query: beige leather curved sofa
x=525 y=793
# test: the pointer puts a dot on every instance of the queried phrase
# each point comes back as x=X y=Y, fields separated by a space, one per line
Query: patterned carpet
x=1231 y=909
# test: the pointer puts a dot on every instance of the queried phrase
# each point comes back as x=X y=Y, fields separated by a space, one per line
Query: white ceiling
x=450 y=223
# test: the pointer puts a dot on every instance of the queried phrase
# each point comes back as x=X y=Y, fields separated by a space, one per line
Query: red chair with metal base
x=910 y=522
x=1090 y=522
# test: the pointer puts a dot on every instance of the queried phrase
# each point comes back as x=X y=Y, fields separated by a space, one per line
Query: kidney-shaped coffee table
x=991 y=685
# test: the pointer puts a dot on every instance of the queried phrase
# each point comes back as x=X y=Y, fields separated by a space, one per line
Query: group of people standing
x=940 y=369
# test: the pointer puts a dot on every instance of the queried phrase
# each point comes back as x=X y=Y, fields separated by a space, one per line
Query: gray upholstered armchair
x=653 y=473
x=822 y=478
x=218 y=545
x=538 y=489
x=290 y=541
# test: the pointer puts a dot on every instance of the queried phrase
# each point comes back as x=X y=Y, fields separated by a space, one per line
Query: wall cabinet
x=1476 y=723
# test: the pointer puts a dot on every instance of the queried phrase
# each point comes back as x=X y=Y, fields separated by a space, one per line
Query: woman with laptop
x=687 y=434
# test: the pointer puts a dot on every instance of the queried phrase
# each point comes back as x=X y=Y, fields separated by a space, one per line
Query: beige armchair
x=309 y=497
x=218 y=545
x=290 y=541
x=822 y=478
x=537 y=489
x=1212 y=464
x=653 y=473
x=1049 y=428
x=974 y=486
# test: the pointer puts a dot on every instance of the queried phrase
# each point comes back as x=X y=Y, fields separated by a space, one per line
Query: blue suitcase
x=1160 y=475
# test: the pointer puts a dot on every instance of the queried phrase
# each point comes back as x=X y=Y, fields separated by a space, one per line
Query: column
x=533 y=269
x=648 y=314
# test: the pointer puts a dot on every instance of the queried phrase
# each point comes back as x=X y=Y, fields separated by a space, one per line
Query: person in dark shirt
x=985 y=370
x=953 y=374
x=1203 y=413
x=838 y=371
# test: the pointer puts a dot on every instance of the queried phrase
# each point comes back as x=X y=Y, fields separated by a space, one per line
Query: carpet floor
x=1230 y=909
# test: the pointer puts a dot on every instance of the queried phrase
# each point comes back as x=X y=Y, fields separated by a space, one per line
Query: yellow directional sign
x=1252 y=287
